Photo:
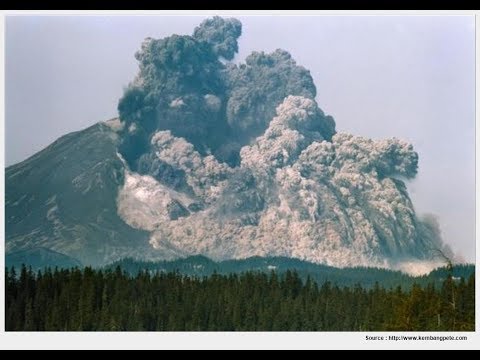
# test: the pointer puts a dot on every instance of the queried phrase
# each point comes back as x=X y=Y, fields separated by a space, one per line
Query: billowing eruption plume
x=232 y=161
x=183 y=86
x=221 y=34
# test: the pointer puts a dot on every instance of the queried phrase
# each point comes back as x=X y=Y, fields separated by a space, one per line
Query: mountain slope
x=40 y=258
x=63 y=198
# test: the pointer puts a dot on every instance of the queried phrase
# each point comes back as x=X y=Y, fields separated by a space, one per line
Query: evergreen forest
x=113 y=300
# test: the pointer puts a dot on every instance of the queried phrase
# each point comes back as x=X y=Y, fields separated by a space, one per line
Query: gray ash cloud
x=185 y=86
x=238 y=160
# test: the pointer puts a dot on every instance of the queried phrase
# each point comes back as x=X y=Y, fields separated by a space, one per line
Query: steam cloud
x=232 y=161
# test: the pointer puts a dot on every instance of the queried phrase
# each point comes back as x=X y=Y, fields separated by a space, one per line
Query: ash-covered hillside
x=228 y=160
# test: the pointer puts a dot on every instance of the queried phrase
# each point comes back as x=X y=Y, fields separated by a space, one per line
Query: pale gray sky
x=410 y=77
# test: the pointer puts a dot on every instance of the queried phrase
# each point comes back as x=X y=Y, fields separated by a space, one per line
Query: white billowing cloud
x=132 y=128
x=177 y=103
x=418 y=267
x=205 y=175
x=213 y=102
x=294 y=194
x=390 y=157
x=145 y=204
x=115 y=124
x=286 y=136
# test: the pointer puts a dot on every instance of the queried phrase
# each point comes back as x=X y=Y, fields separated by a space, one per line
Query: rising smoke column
x=184 y=86
x=232 y=161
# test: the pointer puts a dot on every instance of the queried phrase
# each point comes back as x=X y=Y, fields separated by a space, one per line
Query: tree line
x=112 y=300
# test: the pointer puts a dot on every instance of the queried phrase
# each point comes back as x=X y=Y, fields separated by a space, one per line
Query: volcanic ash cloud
x=232 y=161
